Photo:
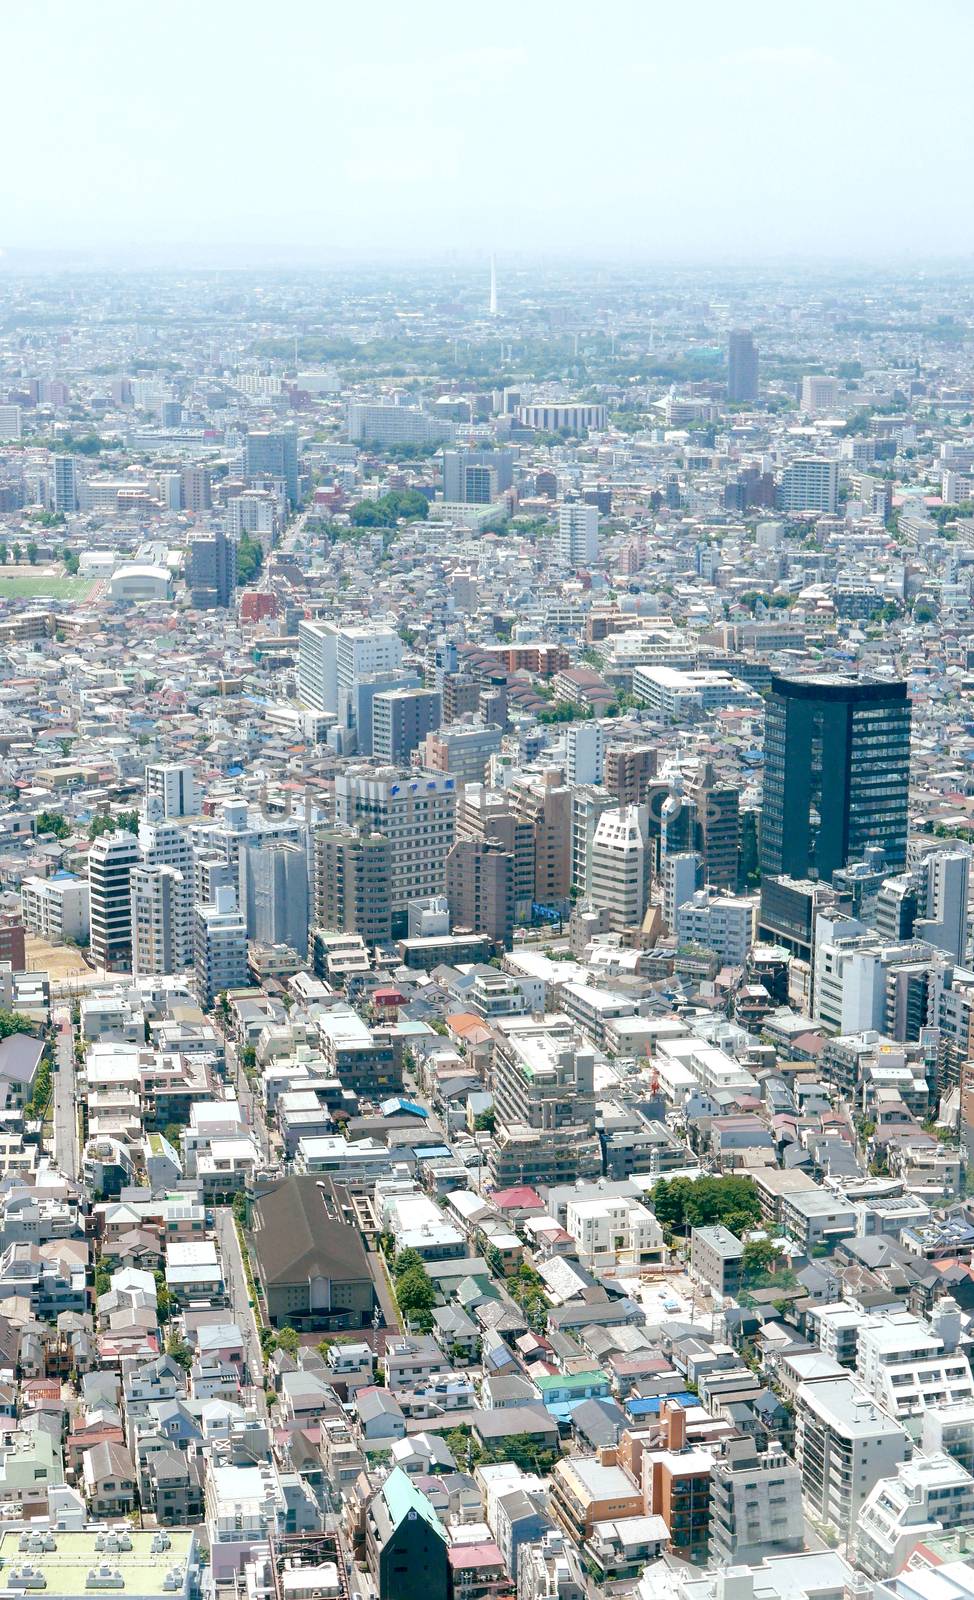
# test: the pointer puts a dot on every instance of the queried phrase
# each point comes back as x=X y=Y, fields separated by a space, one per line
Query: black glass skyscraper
x=836 y=774
x=742 y=366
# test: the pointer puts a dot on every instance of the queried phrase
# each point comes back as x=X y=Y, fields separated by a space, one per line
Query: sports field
x=21 y=586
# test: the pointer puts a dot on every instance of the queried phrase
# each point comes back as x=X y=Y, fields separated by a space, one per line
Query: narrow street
x=243 y=1315
x=65 y=1096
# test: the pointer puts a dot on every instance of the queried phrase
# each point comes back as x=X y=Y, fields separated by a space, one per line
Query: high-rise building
x=681 y=874
x=742 y=366
x=359 y=700
x=273 y=455
x=577 y=540
x=480 y=889
x=111 y=860
x=274 y=893
x=819 y=393
x=542 y=1078
x=810 y=483
x=486 y=814
x=629 y=772
x=9 y=422
x=545 y=802
x=621 y=865
x=197 y=494
x=836 y=774
x=718 y=825
x=176 y=786
x=464 y=749
x=334 y=657
x=584 y=752
x=211 y=569
x=65 y=484
x=945 y=880
x=351 y=883
x=168 y=843
x=158 y=921
x=476 y=477
x=219 y=947
x=401 y=719
x=417 y=813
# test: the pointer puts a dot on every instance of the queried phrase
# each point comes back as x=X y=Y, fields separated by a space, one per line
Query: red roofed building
x=477 y=1572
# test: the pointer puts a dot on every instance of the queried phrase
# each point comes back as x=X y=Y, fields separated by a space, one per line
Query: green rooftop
x=66 y=1567
x=402 y=1496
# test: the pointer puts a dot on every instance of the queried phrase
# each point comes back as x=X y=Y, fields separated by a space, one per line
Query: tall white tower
x=492 y=307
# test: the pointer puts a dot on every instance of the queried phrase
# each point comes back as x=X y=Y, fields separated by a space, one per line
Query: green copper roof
x=403 y=1498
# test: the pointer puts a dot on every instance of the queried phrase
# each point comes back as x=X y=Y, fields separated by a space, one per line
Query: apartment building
x=543 y=1082
x=56 y=908
x=416 y=813
x=844 y=1444
x=907 y=1364
x=755 y=1505
x=111 y=860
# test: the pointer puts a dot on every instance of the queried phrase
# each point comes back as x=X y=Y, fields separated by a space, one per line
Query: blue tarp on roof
x=649 y=1405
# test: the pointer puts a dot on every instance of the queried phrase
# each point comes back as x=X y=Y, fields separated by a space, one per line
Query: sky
x=219 y=133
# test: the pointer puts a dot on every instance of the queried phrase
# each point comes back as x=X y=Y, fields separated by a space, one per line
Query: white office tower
x=274 y=893
x=158 y=921
x=220 y=948
x=945 y=877
x=332 y=657
x=621 y=862
x=810 y=483
x=584 y=752
x=65 y=484
x=9 y=422
x=820 y=393
x=165 y=843
x=578 y=533
x=110 y=862
x=176 y=786
x=417 y=813
x=681 y=874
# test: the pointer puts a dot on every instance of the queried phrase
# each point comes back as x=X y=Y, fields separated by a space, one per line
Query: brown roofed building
x=312 y=1268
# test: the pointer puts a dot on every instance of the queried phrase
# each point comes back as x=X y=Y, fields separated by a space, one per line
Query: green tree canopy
x=684 y=1203
x=52 y=822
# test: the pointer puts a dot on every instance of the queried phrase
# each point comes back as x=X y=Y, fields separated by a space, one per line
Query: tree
x=105 y=823
x=407 y=504
x=4 y=555
x=405 y=1261
x=415 y=1294
x=71 y=561
x=484 y=1121
x=684 y=1203
x=250 y=559
x=52 y=822
x=17 y=554
x=759 y=1258
x=180 y=1351
x=239 y=1208
x=32 y=553
x=288 y=1339
x=14 y=1022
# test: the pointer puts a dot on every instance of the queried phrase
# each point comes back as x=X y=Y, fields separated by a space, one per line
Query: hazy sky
x=313 y=129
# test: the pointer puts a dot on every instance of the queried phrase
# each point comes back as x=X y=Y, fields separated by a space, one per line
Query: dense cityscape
x=486 y=970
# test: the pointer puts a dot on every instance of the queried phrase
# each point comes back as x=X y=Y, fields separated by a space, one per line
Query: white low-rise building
x=614 y=1231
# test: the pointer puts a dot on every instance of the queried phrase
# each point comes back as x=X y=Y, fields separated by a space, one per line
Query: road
x=65 y=1096
x=239 y=1293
